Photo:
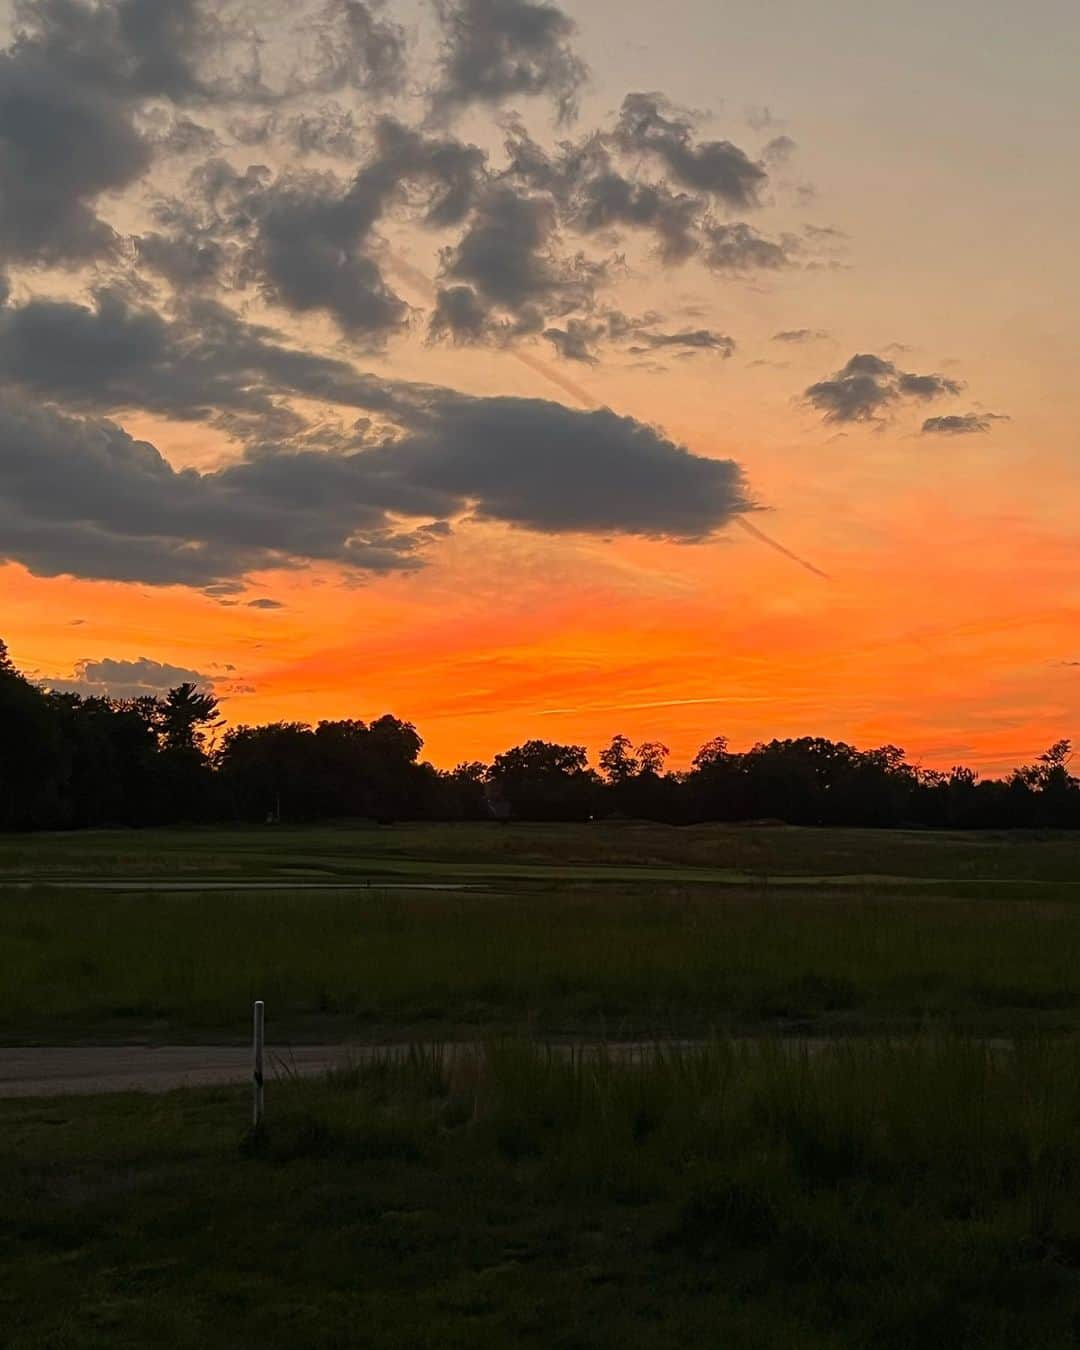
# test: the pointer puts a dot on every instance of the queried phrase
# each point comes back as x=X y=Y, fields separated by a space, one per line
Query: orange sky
x=949 y=620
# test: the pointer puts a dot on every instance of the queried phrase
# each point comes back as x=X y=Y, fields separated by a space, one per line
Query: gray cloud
x=650 y=125
x=926 y=386
x=798 y=335
x=204 y=364
x=306 y=238
x=593 y=195
x=62 y=147
x=71 y=84
x=779 y=150
x=579 y=340
x=310 y=255
x=460 y=315
x=538 y=464
x=82 y=497
x=329 y=130
x=494 y=50
x=697 y=340
x=868 y=385
x=738 y=247
x=508 y=255
x=576 y=342
x=611 y=199
x=143 y=677
x=179 y=135
x=265 y=603
x=961 y=424
x=355 y=48
x=191 y=263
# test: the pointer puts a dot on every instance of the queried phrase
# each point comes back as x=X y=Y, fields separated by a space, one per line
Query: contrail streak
x=424 y=284
x=555 y=377
x=744 y=524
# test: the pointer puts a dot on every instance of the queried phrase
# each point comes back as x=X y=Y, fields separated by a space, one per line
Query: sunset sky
x=452 y=359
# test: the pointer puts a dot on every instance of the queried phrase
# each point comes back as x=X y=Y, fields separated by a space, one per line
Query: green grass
x=898 y=1197
x=693 y=852
x=647 y=960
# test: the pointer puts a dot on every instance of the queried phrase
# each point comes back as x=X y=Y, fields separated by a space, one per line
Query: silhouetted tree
x=31 y=753
x=544 y=781
x=618 y=762
x=465 y=792
x=69 y=762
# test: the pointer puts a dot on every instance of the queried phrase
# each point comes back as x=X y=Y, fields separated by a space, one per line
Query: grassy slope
x=896 y=1198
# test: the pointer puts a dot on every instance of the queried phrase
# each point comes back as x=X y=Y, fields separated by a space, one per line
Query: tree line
x=69 y=762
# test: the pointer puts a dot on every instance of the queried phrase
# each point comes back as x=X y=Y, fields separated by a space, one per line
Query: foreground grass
x=896 y=1197
x=631 y=961
x=322 y=852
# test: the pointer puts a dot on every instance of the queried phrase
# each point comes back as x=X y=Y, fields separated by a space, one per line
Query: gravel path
x=55 y=1070
x=48 y=1071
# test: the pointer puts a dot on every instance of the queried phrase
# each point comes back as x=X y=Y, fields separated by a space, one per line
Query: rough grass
x=895 y=1196
x=615 y=961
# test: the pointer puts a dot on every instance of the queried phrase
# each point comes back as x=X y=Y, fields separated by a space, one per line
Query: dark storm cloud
x=81 y=496
x=143 y=677
x=961 y=424
x=868 y=385
x=650 y=125
x=495 y=50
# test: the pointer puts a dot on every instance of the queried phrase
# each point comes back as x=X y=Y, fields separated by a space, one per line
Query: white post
x=257 y=1108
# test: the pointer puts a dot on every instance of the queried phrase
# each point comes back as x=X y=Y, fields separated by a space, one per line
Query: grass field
x=690 y=853
x=900 y=1197
x=616 y=929
x=810 y=1184
x=611 y=960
